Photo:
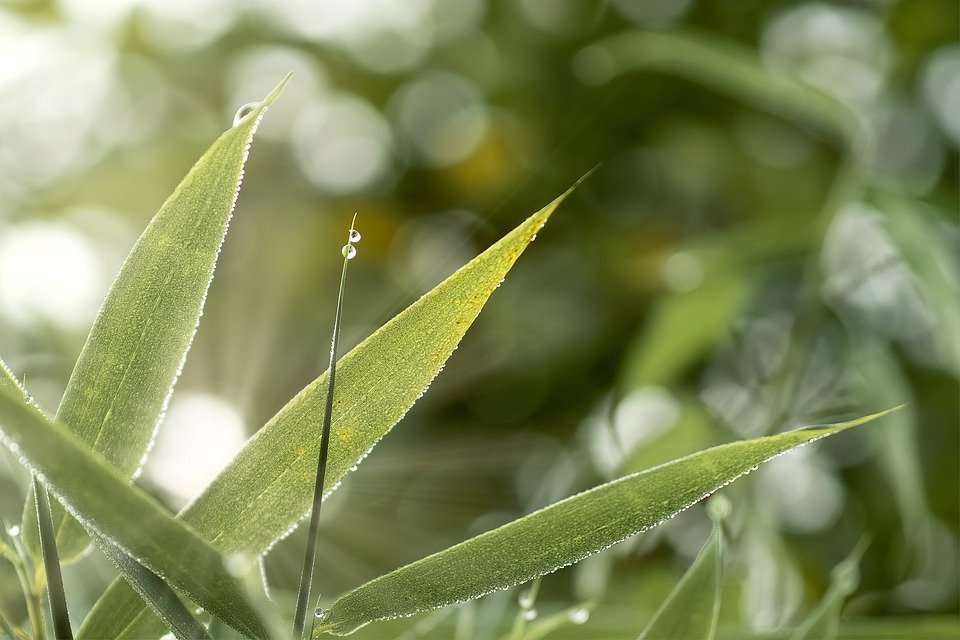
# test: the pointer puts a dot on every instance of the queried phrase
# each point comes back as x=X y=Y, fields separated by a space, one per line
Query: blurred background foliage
x=771 y=240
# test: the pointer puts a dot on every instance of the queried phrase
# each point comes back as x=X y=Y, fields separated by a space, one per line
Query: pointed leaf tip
x=276 y=91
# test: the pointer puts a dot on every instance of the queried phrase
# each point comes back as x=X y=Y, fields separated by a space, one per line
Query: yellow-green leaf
x=128 y=367
x=266 y=490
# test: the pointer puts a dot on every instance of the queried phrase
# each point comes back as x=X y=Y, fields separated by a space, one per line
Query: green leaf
x=918 y=627
x=41 y=517
x=823 y=623
x=157 y=593
x=682 y=328
x=95 y=493
x=56 y=598
x=730 y=68
x=9 y=382
x=692 y=609
x=161 y=598
x=6 y=628
x=267 y=489
x=561 y=534
x=128 y=367
x=222 y=631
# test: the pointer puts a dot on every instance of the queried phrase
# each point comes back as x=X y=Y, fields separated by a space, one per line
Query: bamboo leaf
x=267 y=489
x=9 y=382
x=56 y=598
x=128 y=367
x=154 y=591
x=561 y=534
x=730 y=68
x=691 y=610
x=42 y=516
x=96 y=494
x=823 y=623
x=162 y=599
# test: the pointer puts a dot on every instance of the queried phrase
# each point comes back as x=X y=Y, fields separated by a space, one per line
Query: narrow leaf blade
x=123 y=514
x=563 y=533
x=132 y=358
x=691 y=610
x=162 y=599
x=732 y=69
x=56 y=598
x=266 y=490
x=823 y=623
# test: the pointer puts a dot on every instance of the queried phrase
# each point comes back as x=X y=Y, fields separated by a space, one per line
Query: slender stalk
x=6 y=627
x=31 y=596
x=309 y=559
x=51 y=565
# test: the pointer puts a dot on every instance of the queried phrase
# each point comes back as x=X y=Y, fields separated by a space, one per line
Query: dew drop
x=530 y=614
x=13 y=531
x=354 y=235
x=321 y=613
x=244 y=111
x=348 y=251
x=526 y=599
x=719 y=507
x=14 y=448
x=579 y=615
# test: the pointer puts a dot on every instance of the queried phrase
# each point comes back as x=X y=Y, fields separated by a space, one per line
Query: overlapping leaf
x=133 y=355
x=561 y=534
x=101 y=498
x=691 y=610
x=267 y=488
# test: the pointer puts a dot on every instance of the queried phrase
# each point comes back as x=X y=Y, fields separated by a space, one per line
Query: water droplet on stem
x=579 y=615
x=354 y=235
x=349 y=251
x=719 y=507
x=526 y=599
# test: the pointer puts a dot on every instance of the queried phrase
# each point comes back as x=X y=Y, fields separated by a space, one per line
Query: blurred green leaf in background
x=771 y=240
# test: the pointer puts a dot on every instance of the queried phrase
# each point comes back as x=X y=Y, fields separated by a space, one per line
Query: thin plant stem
x=31 y=596
x=309 y=559
x=51 y=564
x=6 y=627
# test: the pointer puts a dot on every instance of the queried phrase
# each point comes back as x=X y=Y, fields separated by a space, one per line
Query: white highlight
x=201 y=434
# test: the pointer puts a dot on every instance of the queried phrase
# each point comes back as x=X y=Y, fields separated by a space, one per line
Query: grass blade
x=306 y=577
x=95 y=492
x=563 y=533
x=127 y=369
x=692 y=609
x=266 y=490
x=51 y=566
